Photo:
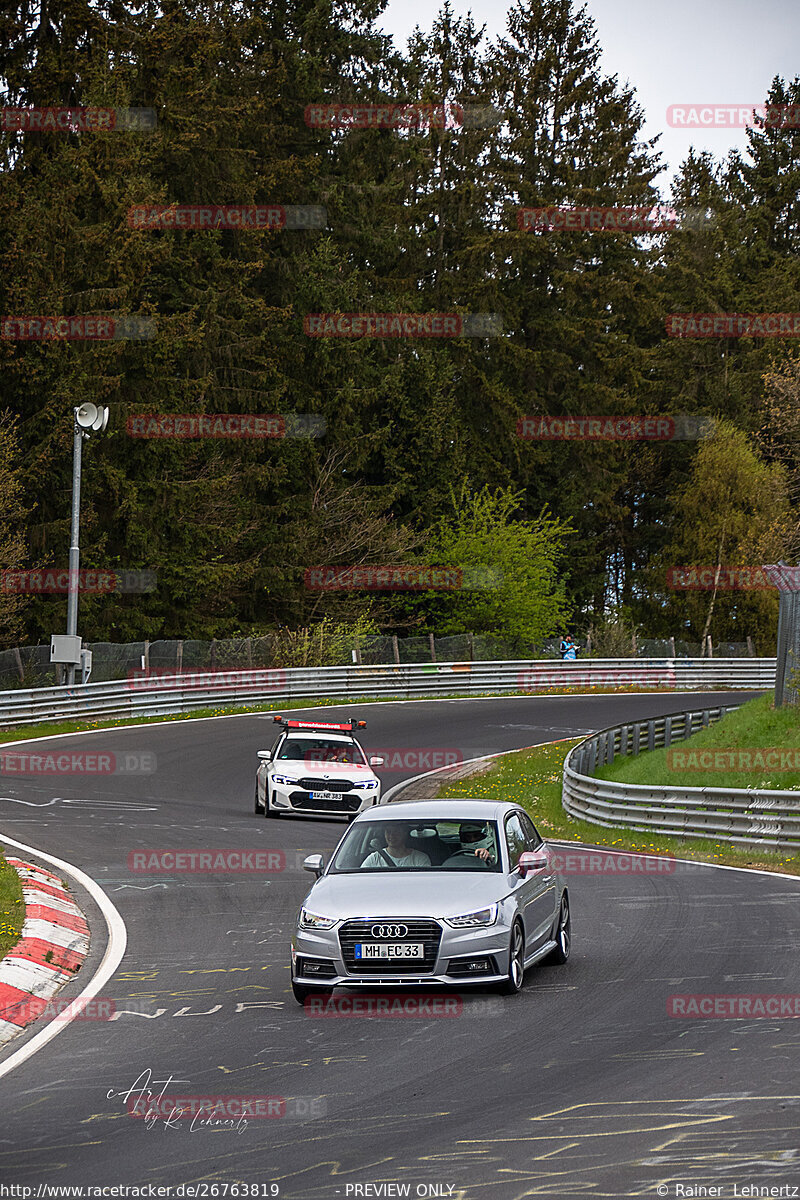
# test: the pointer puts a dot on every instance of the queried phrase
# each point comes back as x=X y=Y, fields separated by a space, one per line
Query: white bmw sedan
x=316 y=769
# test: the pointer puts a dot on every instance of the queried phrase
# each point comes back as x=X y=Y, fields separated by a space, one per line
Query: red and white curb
x=53 y=946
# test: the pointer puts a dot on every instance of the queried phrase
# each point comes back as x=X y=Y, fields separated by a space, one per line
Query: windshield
x=452 y=845
x=321 y=750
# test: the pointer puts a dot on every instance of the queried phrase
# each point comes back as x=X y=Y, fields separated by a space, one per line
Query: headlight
x=368 y=785
x=284 y=779
x=309 y=920
x=484 y=916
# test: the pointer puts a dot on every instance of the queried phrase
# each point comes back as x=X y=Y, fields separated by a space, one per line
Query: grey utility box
x=64 y=648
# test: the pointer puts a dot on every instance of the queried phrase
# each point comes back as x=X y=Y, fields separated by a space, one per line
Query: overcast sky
x=671 y=52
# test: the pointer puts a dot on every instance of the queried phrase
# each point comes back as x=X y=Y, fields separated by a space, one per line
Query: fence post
x=471 y=647
x=433 y=647
x=357 y=654
x=751 y=650
x=213 y=653
x=147 y=656
x=651 y=735
x=249 y=645
x=20 y=668
x=395 y=649
x=179 y=657
x=672 y=647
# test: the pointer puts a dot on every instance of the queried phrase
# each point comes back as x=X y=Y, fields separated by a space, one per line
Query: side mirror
x=376 y=761
x=314 y=863
x=530 y=861
x=265 y=755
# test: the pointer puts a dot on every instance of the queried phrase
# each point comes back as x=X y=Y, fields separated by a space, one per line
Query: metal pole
x=783 y=635
x=74 y=545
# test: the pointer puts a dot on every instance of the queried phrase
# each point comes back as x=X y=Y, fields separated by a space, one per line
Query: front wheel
x=512 y=984
x=563 y=935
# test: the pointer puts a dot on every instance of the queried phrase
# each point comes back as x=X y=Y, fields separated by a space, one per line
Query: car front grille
x=419 y=930
x=326 y=785
x=342 y=804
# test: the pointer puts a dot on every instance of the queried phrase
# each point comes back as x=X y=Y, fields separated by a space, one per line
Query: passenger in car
x=398 y=852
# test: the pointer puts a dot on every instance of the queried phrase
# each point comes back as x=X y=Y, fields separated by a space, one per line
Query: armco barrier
x=161 y=695
x=769 y=818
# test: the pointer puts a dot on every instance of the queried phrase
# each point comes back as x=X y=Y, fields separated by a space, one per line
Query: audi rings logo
x=389 y=931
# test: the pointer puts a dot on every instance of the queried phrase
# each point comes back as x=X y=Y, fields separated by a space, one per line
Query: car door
x=547 y=901
x=531 y=890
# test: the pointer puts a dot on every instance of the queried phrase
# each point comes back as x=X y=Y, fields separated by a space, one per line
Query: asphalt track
x=581 y=1085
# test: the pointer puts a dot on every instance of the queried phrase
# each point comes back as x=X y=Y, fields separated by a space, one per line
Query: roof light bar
x=342 y=727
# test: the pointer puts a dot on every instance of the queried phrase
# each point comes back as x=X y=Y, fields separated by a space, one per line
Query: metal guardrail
x=162 y=695
x=769 y=818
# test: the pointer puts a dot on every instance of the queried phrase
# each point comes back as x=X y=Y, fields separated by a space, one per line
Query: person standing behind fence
x=568 y=649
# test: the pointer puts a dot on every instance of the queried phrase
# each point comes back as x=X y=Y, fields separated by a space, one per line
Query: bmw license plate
x=325 y=795
x=389 y=950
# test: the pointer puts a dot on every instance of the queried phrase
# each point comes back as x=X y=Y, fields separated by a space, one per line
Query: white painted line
x=115 y=949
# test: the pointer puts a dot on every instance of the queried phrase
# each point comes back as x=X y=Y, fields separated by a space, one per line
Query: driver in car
x=475 y=839
x=398 y=853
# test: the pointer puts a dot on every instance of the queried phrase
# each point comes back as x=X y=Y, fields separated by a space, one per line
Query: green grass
x=12 y=907
x=755 y=725
x=532 y=778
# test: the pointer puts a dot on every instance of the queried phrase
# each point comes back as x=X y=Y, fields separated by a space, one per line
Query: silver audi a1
x=431 y=892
